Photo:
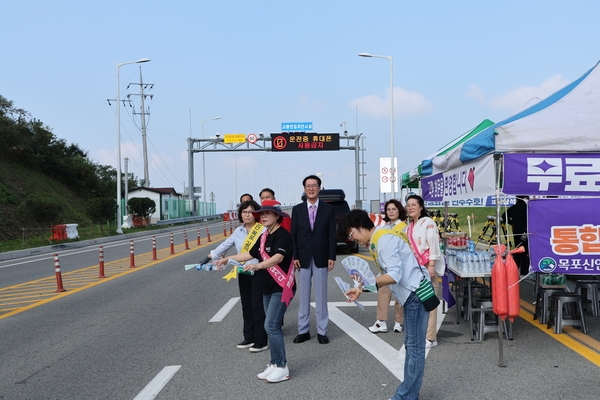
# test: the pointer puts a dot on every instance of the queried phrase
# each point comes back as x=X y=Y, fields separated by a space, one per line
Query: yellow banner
x=234 y=138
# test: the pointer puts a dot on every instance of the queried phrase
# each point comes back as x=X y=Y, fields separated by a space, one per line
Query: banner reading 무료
x=564 y=235
x=552 y=174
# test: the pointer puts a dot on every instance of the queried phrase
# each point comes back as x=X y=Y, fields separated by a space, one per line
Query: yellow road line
x=41 y=291
x=582 y=344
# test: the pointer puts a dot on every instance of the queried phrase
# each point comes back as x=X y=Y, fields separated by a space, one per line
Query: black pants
x=253 y=310
x=522 y=259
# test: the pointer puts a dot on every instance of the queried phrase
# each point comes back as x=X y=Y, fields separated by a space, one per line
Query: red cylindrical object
x=172 y=245
x=512 y=281
x=131 y=255
x=185 y=240
x=101 y=262
x=230 y=227
x=59 y=283
x=199 y=237
x=154 y=248
x=224 y=228
x=208 y=235
x=499 y=286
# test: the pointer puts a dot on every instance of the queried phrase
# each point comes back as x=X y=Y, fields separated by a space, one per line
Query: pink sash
x=286 y=282
x=422 y=258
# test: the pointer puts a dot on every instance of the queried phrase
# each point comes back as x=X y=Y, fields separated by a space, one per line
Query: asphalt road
x=160 y=324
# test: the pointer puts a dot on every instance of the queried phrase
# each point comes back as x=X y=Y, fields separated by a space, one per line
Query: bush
x=142 y=207
x=40 y=212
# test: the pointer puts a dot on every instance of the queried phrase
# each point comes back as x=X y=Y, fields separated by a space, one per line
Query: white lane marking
x=391 y=358
x=155 y=386
x=219 y=316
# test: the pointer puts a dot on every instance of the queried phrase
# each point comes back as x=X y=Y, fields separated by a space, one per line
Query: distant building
x=169 y=203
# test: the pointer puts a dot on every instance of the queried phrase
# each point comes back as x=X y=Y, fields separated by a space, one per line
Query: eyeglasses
x=312 y=186
x=351 y=233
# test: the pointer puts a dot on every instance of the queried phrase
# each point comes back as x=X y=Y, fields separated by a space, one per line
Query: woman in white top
x=251 y=287
x=426 y=238
x=394 y=217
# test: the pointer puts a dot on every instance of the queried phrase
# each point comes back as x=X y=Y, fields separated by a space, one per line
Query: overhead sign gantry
x=278 y=142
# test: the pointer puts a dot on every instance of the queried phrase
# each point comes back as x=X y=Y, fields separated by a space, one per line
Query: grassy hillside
x=17 y=184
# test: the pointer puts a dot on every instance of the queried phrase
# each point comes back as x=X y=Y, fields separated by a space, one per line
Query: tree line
x=27 y=141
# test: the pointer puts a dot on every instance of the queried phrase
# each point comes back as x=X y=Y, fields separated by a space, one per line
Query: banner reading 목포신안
x=564 y=235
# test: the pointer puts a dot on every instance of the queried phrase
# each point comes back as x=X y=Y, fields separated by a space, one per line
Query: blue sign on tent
x=296 y=126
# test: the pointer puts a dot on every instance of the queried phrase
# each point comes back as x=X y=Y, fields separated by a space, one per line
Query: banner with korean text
x=556 y=174
x=472 y=180
x=564 y=235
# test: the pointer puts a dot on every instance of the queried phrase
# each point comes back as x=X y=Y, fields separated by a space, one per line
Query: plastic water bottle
x=206 y=267
x=459 y=261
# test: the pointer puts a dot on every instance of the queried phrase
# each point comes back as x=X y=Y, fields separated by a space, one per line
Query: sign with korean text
x=305 y=141
x=386 y=178
x=472 y=180
x=564 y=235
x=234 y=138
x=296 y=126
x=552 y=174
x=489 y=201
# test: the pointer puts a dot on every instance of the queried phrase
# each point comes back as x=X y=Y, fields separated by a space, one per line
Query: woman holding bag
x=401 y=272
x=424 y=239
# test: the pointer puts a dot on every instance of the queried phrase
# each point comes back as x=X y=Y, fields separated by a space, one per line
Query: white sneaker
x=398 y=327
x=378 y=326
x=279 y=375
x=270 y=368
x=429 y=344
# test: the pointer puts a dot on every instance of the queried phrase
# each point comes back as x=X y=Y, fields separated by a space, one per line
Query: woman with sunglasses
x=251 y=288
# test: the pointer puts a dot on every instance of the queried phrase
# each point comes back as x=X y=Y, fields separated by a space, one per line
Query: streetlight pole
x=126 y=182
x=392 y=166
x=266 y=182
x=204 y=191
x=119 y=216
x=254 y=173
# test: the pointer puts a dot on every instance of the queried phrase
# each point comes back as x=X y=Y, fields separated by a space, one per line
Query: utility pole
x=143 y=113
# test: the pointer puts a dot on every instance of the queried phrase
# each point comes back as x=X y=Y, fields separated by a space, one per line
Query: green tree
x=143 y=207
x=101 y=210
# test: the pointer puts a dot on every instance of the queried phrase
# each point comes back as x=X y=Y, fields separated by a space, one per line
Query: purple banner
x=564 y=235
x=552 y=174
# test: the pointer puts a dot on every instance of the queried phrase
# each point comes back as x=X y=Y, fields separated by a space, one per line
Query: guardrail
x=195 y=218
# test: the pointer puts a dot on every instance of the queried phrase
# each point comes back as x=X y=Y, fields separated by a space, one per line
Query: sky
x=258 y=64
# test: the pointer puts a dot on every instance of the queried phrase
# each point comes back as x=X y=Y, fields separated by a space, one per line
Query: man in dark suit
x=516 y=217
x=313 y=233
